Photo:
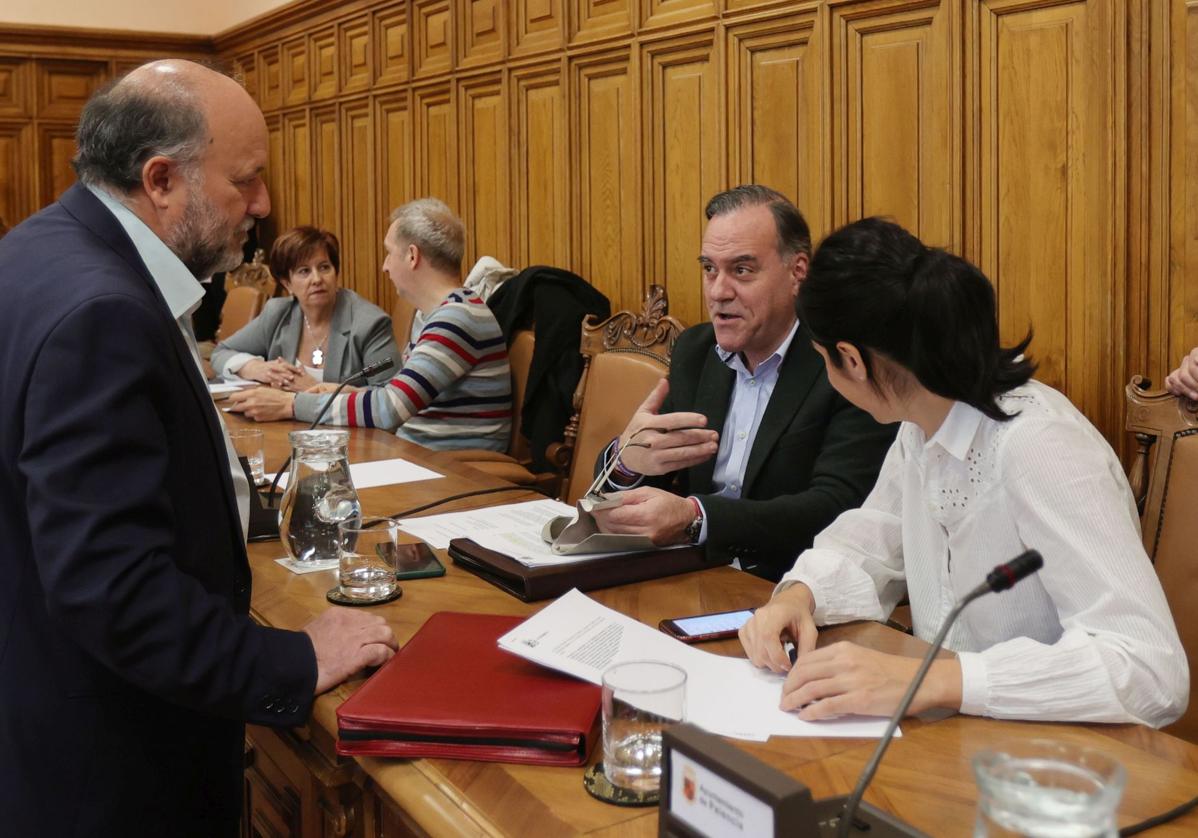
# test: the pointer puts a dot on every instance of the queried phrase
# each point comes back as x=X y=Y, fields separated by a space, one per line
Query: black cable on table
x=1157 y=820
x=462 y=495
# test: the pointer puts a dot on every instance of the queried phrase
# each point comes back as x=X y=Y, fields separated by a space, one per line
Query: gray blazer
x=360 y=334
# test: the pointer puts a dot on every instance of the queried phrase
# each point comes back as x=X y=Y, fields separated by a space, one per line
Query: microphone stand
x=363 y=374
x=876 y=822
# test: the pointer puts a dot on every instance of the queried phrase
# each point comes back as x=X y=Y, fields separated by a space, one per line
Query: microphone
x=360 y=376
x=874 y=821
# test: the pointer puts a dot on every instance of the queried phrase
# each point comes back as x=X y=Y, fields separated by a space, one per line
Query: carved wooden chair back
x=1164 y=481
x=623 y=358
x=253 y=274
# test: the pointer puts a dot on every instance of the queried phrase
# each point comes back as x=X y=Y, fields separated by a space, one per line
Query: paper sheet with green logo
x=725 y=696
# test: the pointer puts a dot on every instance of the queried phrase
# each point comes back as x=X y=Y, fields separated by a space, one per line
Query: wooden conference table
x=296 y=785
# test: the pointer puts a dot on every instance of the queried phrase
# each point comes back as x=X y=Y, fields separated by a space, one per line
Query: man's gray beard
x=200 y=242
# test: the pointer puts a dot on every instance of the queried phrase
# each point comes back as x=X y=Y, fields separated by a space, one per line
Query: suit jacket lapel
x=711 y=399
x=86 y=207
x=339 y=328
x=288 y=334
x=799 y=372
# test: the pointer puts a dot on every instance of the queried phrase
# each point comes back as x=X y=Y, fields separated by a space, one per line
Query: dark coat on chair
x=128 y=661
x=554 y=302
x=815 y=455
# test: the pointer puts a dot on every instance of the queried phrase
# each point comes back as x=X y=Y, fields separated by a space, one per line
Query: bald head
x=161 y=109
x=183 y=147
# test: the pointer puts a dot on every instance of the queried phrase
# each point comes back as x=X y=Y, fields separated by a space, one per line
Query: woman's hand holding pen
x=842 y=678
x=787 y=616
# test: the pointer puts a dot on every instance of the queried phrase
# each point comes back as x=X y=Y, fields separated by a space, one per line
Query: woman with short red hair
x=322 y=332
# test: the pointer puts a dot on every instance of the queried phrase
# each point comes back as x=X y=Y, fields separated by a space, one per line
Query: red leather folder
x=452 y=692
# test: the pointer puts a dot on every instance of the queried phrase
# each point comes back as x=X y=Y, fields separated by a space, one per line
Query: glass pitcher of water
x=320 y=495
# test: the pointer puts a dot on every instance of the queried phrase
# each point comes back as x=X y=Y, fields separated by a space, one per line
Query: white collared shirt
x=183 y=294
x=1088 y=638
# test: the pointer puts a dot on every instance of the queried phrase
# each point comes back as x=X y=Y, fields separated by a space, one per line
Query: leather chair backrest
x=242 y=304
x=617 y=383
x=1164 y=479
x=624 y=357
x=401 y=322
x=519 y=356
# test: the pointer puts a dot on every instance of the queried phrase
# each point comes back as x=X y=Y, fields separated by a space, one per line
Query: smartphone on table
x=416 y=561
x=702 y=627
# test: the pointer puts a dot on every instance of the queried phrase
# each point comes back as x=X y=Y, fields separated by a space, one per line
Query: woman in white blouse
x=987 y=464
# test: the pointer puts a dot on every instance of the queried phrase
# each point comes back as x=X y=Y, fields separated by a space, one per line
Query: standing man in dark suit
x=749 y=449
x=128 y=661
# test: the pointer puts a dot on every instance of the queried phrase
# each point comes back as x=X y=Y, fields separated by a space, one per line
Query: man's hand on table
x=661 y=515
x=262 y=404
x=346 y=642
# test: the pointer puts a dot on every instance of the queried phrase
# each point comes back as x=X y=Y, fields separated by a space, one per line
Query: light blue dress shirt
x=182 y=293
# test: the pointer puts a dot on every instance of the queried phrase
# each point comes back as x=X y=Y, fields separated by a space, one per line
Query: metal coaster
x=601 y=788
x=337 y=598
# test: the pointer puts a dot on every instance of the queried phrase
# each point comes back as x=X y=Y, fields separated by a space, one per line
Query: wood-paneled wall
x=1047 y=140
x=45 y=77
x=1050 y=141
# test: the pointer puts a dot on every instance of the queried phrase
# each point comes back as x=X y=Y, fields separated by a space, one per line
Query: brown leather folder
x=535 y=583
x=452 y=692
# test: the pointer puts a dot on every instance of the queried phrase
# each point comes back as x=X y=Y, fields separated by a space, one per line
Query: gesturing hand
x=346 y=642
x=1183 y=381
x=665 y=442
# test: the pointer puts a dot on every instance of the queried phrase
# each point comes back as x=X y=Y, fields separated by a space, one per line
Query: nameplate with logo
x=712 y=789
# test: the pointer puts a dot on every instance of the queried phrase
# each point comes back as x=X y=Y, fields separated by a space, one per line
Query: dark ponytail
x=875 y=286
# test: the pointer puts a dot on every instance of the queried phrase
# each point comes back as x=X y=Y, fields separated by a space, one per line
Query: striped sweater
x=454 y=391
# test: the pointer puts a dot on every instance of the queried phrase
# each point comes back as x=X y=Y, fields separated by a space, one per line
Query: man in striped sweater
x=455 y=388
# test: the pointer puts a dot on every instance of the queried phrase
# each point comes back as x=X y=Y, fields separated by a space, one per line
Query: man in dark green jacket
x=749 y=449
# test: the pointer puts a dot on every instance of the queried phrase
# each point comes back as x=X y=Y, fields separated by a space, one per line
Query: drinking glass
x=1047 y=789
x=639 y=699
x=247 y=442
x=320 y=495
x=368 y=552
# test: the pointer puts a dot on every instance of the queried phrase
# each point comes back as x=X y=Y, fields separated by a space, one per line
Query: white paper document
x=308 y=567
x=380 y=473
x=438 y=530
x=224 y=388
x=726 y=696
x=513 y=529
x=510 y=529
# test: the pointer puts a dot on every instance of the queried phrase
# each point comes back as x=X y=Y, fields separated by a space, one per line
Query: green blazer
x=815 y=455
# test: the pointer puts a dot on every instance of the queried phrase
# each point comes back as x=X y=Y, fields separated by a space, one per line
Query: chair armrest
x=559 y=455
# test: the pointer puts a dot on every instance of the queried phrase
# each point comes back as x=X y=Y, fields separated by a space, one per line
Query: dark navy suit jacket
x=128 y=661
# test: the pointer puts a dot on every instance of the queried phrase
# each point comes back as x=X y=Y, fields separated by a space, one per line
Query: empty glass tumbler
x=247 y=442
x=1047 y=789
x=639 y=699
x=320 y=495
x=368 y=554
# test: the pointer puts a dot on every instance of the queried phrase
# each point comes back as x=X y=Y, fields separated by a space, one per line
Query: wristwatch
x=695 y=528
